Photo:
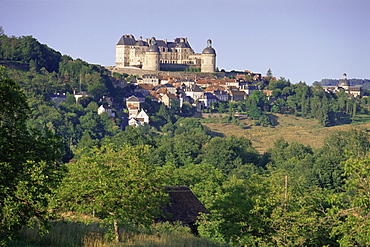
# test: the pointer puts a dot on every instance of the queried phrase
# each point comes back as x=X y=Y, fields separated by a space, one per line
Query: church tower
x=344 y=83
x=208 y=63
x=152 y=56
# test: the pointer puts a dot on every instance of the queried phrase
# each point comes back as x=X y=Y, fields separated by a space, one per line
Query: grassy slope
x=291 y=128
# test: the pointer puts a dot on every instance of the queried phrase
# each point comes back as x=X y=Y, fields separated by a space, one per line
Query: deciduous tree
x=117 y=184
x=28 y=168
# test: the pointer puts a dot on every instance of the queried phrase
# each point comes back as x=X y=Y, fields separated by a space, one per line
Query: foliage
x=27 y=49
x=265 y=210
x=28 y=164
x=227 y=154
x=351 y=212
x=116 y=183
x=339 y=147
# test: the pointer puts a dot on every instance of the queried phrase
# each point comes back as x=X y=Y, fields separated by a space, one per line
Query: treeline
x=364 y=83
x=28 y=50
x=298 y=99
x=43 y=71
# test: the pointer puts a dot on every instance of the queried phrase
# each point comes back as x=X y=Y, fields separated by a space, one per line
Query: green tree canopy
x=227 y=154
x=28 y=168
x=351 y=213
x=118 y=184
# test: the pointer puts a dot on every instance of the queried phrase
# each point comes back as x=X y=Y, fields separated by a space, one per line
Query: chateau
x=163 y=55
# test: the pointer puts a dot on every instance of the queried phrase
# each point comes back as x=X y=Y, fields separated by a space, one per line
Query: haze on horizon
x=299 y=40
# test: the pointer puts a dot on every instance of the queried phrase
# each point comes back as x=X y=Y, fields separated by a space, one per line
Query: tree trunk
x=116 y=230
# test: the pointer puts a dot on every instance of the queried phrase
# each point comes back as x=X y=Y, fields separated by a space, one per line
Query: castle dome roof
x=153 y=45
x=209 y=49
x=344 y=81
x=153 y=48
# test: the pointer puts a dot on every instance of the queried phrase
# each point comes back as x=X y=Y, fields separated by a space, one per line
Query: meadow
x=289 y=127
x=79 y=234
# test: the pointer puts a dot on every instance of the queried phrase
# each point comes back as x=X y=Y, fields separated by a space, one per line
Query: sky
x=300 y=40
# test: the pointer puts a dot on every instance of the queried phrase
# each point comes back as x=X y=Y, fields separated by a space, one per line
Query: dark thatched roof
x=183 y=206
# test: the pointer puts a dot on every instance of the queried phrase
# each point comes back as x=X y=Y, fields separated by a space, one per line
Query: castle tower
x=208 y=63
x=152 y=56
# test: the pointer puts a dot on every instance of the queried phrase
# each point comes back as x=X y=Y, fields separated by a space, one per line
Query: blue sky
x=301 y=40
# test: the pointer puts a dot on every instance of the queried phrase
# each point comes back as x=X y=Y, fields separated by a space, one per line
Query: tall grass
x=68 y=234
x=77 y=234
x=289 y=127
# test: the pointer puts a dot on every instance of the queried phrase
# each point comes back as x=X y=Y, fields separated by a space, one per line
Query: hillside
x=291 y=128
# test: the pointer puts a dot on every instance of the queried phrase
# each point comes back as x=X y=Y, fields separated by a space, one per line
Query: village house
x=58 y=98
x=151 y=79
x=194 y=92
x=142 y=117
x=236 y=96
x=187 y=82
x=208 y=99
x=144 y=89
x=232 y=82
x=168 y=88
x=169 y=99
x=183 y=98
x=221 y=95
x=79 y=95
x=136 y=115
x=107 y=109
x=202 y=83
x=133 y=106
x=248 y=88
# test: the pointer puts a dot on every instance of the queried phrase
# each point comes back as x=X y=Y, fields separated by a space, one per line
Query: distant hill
x=364 y=83
x=26 y=50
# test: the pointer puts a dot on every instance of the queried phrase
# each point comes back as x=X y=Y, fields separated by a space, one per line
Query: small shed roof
x=183 y=206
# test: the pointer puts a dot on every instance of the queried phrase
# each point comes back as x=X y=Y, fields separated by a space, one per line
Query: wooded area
x=71 y=159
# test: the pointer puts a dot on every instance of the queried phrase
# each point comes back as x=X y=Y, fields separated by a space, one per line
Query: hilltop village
x=173 y=74
x=170 y=72
x=201 y=93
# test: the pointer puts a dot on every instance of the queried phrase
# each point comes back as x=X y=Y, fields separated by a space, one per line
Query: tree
x=70 y=100
x=339 y=147
x=269 y=74
x=239 y=213
x=28 y=164
x=227 y=154
x=266 y=210
x=351 y=213
x=116 y=183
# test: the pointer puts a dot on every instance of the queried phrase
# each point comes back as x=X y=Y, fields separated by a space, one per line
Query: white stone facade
x=152 y=54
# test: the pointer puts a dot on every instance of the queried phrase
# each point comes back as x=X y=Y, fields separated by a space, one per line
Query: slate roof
x=127 y=40
x=171 y=45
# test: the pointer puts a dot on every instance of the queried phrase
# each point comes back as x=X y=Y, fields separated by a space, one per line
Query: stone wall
x=141 y=72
